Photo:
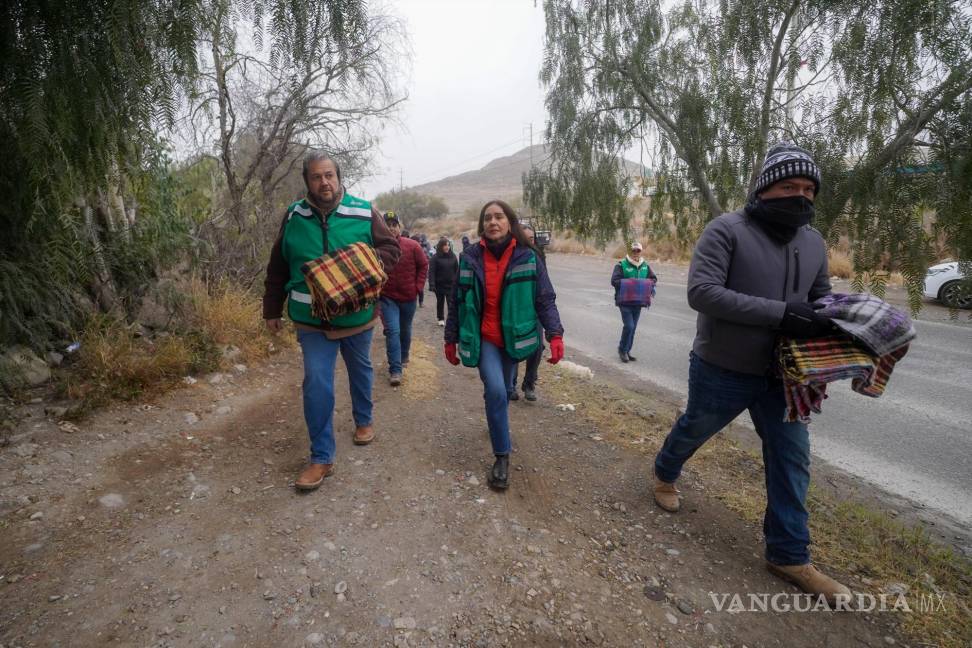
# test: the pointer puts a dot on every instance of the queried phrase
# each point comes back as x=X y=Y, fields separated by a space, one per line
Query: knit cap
x=787 y=160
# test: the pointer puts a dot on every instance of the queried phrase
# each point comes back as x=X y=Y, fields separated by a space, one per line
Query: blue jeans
x=629 y=320
x=320 y=356
x=398 y=331
x=496 y=369
x=716 y=397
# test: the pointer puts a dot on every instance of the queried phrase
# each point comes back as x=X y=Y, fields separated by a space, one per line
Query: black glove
x=800 y=320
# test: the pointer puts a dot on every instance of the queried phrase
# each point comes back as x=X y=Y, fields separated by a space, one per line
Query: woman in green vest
x=633 y=266
x=502 y=293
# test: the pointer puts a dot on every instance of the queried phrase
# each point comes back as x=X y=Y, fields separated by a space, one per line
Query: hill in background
x=500 y=178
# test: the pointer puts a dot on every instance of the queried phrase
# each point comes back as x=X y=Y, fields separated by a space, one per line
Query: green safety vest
x=305 y=239
x=518 y=314
x=632 y=271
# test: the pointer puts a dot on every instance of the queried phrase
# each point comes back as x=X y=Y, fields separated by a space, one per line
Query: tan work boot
x=666 y=495
x=312 y=476
x=363 y=435
x=811 y=581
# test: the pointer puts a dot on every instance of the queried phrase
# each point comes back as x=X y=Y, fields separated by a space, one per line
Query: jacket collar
x=632 y=262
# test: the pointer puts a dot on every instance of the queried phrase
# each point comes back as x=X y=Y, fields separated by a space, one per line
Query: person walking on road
x=406 y=281
x=633 y=266
x=443 y=270
x=753 y=275
x=326 y=219
x=502 y=292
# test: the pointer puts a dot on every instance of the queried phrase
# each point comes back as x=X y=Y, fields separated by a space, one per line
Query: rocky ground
x=174 y=523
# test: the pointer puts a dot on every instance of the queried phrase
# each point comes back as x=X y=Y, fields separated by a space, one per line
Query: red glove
x=450 y=353
x=556 y=350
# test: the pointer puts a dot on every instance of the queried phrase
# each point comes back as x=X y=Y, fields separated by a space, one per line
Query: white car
x=943 y=282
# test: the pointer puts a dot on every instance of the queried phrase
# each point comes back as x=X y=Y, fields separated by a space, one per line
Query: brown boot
x=363 y=435
x=313 y=475
x=811 y=581
x=666 y=496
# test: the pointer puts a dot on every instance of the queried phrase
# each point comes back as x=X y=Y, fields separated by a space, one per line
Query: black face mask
x=780 y=218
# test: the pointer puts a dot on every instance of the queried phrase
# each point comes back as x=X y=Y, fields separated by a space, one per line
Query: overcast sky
x=473 y=89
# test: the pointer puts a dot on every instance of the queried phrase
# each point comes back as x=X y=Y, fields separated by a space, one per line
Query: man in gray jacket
x=753 y=275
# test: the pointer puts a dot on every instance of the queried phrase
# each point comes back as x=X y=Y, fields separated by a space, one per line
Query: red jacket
x=494 y=269
x=407 y=278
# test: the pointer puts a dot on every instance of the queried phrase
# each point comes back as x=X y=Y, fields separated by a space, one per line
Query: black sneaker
x=515 y=396
x=529 y=394
x=631 y=358
x=500 y=474
x=623 y=356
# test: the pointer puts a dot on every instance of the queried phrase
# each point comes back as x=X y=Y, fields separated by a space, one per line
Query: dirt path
x=142 y=529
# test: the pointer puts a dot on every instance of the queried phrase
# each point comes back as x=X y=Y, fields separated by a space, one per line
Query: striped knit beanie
x=787 y=160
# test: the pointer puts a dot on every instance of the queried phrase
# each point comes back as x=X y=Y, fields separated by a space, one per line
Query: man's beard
x=322 y=201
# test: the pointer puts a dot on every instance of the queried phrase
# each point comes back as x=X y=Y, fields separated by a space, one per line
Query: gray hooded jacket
x=740 y=281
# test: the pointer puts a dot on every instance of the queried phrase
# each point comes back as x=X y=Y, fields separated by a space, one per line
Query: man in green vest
x=326 y=219
x=633 y=266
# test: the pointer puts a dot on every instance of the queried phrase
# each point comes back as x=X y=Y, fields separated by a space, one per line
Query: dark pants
x=629 y=322
x=441 y=301
x=716 y=397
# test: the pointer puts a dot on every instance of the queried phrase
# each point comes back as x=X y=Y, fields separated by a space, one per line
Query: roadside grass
x=116 y=363
x=850 y=537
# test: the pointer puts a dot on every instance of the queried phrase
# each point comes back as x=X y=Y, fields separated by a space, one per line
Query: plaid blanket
x=808 y=365
x=344 y=281
x=636 y=292
x=876 y=324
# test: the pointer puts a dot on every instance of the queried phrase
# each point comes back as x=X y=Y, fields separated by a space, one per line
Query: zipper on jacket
x=796 y=274
x=786 y=268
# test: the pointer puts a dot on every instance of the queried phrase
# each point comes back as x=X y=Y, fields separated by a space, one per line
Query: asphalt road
x=915 y=441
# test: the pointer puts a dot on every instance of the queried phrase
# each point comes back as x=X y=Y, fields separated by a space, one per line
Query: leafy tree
x=411 y=205
x=872 y=89
x=88 y=90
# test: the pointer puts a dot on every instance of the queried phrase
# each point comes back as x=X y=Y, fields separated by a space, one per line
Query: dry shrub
x=114 y=363
x=229 y=315
x=840 y=264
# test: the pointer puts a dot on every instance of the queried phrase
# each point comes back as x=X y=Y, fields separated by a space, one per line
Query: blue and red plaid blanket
x=636 y=292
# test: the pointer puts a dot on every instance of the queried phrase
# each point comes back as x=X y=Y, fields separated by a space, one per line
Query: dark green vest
x=304 y=239
x=518 y=314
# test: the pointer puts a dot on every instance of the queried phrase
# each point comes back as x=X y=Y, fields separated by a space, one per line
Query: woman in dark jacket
x=443 y=270
x=502 y=292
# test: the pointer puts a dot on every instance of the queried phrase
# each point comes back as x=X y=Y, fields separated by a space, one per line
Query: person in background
x=346 y=219
x=633 y=266
x=533 y=362
x=502 y=291
x=465 y=242
x=443 y=270
x=406 y=280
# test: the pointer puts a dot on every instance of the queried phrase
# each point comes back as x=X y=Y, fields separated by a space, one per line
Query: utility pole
x=531 y=146
x=401 y=179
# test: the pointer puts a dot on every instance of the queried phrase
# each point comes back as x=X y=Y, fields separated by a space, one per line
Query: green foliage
x=876 y=92
x=411 y=206
x=89 y=89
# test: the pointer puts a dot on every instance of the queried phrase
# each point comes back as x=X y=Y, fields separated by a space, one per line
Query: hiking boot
x=666 y=495
x=529 y=394
x=811 y=581
x=500 y=475
x=363 y=435
x=312 y=476
x=623 y=356
x=631 y=358
x=514 y=395
x=395 y=379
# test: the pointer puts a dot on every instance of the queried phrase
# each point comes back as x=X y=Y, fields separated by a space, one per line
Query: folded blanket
x=636 y=292
x=878 y=325
x=808 y=365
x=344 y=281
